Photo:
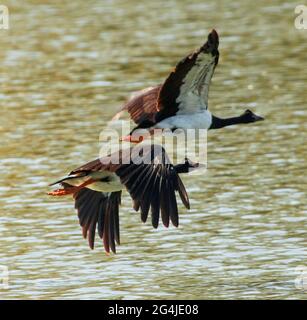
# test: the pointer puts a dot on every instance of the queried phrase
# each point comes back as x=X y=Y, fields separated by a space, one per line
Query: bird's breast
x=109 y=183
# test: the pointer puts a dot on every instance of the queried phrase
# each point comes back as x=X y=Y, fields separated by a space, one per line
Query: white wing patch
x=193 y=95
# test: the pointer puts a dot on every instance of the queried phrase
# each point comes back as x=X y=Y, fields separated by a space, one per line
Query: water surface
x=66 y=67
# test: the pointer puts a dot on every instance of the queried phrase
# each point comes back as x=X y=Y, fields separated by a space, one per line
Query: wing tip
x=214 y=34
x=213 y=40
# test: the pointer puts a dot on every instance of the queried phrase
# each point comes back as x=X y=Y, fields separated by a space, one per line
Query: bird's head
x=248 y=116
x=187 y=166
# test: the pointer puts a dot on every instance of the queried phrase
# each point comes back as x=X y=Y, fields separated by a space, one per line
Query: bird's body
x=151 y=182
x=199 y=120
x=181 y=102
x=104 y=181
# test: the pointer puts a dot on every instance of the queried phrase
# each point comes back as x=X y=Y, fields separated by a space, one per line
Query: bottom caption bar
x=141 y=308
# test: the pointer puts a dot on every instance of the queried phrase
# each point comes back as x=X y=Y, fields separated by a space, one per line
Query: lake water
x=67 y=67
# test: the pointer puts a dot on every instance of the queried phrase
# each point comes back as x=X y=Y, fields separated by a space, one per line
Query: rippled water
x=66 y=67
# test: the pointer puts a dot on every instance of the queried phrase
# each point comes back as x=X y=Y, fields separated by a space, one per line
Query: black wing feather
x=152 y=185
x=99 y=210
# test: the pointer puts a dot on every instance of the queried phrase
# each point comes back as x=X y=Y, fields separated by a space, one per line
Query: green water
x=67 y=66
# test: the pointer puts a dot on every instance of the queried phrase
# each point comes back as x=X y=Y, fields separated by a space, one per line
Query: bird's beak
x=258 y=118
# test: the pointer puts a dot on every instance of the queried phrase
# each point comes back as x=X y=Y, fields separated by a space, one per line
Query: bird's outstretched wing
x=142 y=106
x=99 y=210
x=185 y=90
x=152 y=182
x=150 y=179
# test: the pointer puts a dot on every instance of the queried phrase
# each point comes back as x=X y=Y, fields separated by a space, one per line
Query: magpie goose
x=147 y=174
x=181 y=102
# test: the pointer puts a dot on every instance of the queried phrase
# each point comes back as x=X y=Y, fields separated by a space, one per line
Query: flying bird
x=147 y=174
x=181 y=102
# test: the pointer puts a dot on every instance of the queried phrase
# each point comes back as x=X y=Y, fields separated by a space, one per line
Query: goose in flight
x=147 y=174
x=181 y=102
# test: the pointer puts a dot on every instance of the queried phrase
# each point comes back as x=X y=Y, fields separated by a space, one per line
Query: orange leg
x=135 y=138
x=70 y=190
x=132 y=139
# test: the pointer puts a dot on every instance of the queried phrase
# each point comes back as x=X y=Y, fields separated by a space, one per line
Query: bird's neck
x=182 y=168
x=218 y=123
